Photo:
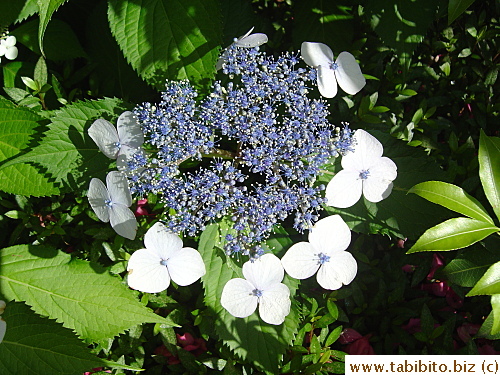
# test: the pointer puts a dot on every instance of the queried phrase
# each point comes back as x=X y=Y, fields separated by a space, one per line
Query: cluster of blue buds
x=250 y=151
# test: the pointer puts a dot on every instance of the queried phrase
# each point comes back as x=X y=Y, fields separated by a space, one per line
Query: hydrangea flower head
x=111 y=203
x=345 y=70
x=365 y=171
x=163 y=259
x=119 y=143
x=324 y=253
x=261 y=286
x=8 y=47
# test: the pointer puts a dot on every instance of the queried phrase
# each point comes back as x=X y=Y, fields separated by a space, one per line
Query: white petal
x=274 y=304
x=238 y=299
x=10 y=41
x=300 y=261
x=253 y=40
x=129 y=130
x=315 y=54
x=247 y=33
x=146 y=273
x=98 y=195
x=118 y=188
x=348 y=73
x=376 y=190
x=330 y=235
x=3 y=48
x=367 y=151
x=327 y=83
x=186 y=266
x=344 y=189
x=123 y=221
x=264 y=272
x=105 y=137
x=11 y=53
x=3 y=328
x=384 y=168
x=340 y=270
x=161 y=241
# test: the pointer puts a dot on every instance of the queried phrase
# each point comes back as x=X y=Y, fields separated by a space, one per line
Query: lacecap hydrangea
x=250 y=151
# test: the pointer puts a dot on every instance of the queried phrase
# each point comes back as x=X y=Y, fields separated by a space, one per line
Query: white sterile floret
x=261 y=286
x=119 y=143
x=247 y=41
x=345 y=70
x=163 y=259
x=324 y=253
x=8 y=47
x=365 y=171
x=110 y=202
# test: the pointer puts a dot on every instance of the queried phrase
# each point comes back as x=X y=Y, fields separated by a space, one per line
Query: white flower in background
x=163 y=259
x=8 y=47
x=345 y=70
x=365 y=171
x=261 y=286
x=119 y=143
x=3 y=324
x=247 y=41
x=324 y=253
x=111 y=202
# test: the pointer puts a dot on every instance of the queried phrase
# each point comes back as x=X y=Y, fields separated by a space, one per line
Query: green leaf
x=115 y=76
x=495 y=305
x=45 y=10
x=66 y=152
x=486 y=328
x=489 y=169
x=60 y=42
x=168 y=39
x=18 y=127
x=402 y=24
x=238 y=17
x=489 y=284
x=16 y=11
x=323 y=21
x=456 y=8
x=81 y=295
x=469 y=266
x=44 y=346
x=452 y=197
x=453 y=234
x=41 y=75
x=250 y=338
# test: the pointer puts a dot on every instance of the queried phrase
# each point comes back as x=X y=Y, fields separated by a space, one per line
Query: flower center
x=117 y=144
x=108 y=203
x=364 y=174
x=323 y=258
x=163 y=262
x=257 y=293
x=334 y=66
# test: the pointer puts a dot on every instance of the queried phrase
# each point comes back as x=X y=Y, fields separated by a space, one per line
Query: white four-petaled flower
x=324 y=253
x=8 y=47
x=111 y=202
x=345 y=70
x=163 y=259
x=261 y=286
x=365 y=171
x=119 y=143
x=247 y=41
